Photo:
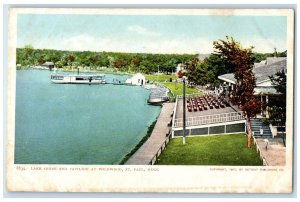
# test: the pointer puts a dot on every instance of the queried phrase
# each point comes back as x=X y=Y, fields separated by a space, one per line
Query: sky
x=149 y=33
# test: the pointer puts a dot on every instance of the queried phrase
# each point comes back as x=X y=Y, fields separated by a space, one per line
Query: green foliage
x=199 y=72
x=265 y=121
x=218 y=65
x=242 y=62
x=228 y=150
x=125 y=62
x=177 y=88
x=160 y=77
x=277 y=103
x=279 y=82
x=258 y=57
x=282 y=54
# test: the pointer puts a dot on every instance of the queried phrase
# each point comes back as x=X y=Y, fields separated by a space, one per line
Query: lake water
x=78 y=124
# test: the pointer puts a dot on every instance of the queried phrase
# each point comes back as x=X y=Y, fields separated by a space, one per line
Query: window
x=57 y=77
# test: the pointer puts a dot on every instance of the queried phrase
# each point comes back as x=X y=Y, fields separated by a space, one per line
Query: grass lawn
x=210 y=150
x=177 y=88
x=160 y=77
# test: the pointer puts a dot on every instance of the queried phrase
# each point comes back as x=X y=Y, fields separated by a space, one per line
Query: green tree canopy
x=198 y=72
x=242 y=62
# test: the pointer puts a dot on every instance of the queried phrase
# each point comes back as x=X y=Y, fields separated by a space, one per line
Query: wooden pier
x=151 y=149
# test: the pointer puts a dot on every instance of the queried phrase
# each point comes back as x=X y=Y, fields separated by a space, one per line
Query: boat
x=157 y=100
x=158 y=95
x=40 y=68
x=117 y=81
x=78 y=79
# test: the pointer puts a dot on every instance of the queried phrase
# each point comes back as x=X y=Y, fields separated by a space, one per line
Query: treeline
x=200 y=72
x=127 y=62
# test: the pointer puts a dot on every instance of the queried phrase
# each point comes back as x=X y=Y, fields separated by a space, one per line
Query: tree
x=218 y=65
x=242 y=62
x=198 y=72
x=70 y=59
x=41 y=60
x=119 y=63
x=28 y=56
x=277 y=104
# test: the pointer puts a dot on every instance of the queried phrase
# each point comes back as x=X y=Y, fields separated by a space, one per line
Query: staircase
x=256 y=124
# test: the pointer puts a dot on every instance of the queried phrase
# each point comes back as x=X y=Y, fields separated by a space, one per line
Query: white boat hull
x=78 y=79
x=78 y=82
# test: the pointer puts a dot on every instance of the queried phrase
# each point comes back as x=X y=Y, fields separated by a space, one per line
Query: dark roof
x=261 y=73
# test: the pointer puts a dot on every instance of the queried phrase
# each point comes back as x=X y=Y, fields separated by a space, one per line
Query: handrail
x=175 y=111
x=160 y=150
x=265 y=163
x=191 y=95
x=209 y=119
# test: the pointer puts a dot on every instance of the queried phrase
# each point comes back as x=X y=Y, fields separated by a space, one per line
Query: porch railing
x=210 y=119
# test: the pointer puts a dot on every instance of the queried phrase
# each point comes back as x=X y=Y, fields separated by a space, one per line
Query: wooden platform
x=149 y=149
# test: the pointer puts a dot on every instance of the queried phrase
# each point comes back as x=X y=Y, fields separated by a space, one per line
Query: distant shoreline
x=81 y=71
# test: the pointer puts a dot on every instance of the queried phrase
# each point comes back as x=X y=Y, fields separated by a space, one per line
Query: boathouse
x=49 y=65
x=138 y=80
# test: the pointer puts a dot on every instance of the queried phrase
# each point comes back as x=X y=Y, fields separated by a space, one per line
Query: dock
x=148 y=152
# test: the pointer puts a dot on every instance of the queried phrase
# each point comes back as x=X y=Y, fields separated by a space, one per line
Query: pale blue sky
x=154 y=34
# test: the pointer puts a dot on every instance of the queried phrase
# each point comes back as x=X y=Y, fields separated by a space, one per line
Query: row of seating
x=217 y=102
x=196 y=106
x=205 y=102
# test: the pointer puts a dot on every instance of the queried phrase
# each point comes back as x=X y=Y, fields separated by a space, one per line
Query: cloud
x=142 y=31
x=86 y=42
x=178 y=46
x=265 y=45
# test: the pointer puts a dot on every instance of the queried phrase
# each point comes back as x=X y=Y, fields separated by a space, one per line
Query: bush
x=265 y=121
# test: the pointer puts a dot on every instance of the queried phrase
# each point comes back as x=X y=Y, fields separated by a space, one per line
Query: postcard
x=150 y=100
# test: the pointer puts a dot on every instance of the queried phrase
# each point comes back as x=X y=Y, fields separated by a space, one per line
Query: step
x=265 y=130
x=257 y=133
x=260 y=124
x=255 y=121
x=264 y=127
x=256 y=125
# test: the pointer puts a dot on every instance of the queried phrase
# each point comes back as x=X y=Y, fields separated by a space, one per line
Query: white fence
x=209 y=119
x=265 y=163
x=190 y=95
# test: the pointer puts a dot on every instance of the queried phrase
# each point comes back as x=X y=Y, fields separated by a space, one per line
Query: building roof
x=138 y=75
x=48 y=63
x=265 y=90
x=262 y=72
